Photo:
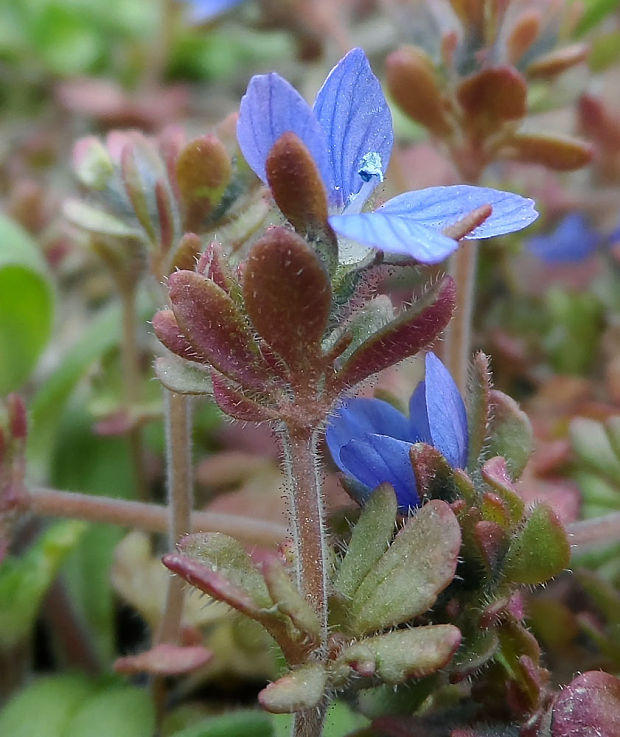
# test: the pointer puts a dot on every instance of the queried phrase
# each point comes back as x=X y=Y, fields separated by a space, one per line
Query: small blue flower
x=370 y=440
x=573 y=240
x=349 y=133
x=200 y=11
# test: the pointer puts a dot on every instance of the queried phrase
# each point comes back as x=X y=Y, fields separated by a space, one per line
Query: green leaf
x=404 y=654
x=510 y=433
x=45 y=708
x=26 y=305
x=183 y=377
x=371 y=538
x=24 y=580
x=594 y=449
x=539 y=551
x=235 y=724
x=407 y=579
x=594 y=12
x=116 y=712
x=299 y=689
x=97 y=221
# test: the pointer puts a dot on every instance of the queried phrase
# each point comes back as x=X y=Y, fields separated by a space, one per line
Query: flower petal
x=269 y=108
x=359 y=417
x=440 y=207
x=447 y=418
x=203 y=10
x=357 y=121
x=375 y=459
x=418 y=416
x=395 y=233
x=572 y=240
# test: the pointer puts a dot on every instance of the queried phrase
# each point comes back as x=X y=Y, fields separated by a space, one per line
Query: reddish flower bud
x=558 y=61
x=561 y=153
x=492 y=97
x=287 y=295
x=523 y=34
x=413 y=84
x=203 y=171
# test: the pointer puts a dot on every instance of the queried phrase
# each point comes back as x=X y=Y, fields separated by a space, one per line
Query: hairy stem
x=463 y=266
x=132 y=384
x=180 y=502
x=308 y=531
x=150 y=517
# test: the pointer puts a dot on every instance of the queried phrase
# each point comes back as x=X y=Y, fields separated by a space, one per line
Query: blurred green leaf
x=45 y=708
x=594 y=12
x=26 y=305
x=339 y=721
x=25 y=579
x=235 y=724
x=116 y=712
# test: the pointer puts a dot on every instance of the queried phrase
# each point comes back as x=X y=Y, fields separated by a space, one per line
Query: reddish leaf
x=287 y=295
x=402 y=337
x=561 y=153
x=235 y=404
x=215 y=328
x=493 y=96
x=164 y=660
x=169 y=333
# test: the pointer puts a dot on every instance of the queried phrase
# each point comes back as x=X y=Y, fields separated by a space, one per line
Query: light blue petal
x=418 y=416
x=360 y=417
x=376 y=459
x=357 y=121
x=269 y=108
x=395 y=233
x=447 y=418
x=440 y=207
x=573 y=240
x=203 y=10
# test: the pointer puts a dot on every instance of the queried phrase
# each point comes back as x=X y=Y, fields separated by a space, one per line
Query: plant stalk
x=132 y=385
x=149 y=517
x=463 y=266
x=308 y=531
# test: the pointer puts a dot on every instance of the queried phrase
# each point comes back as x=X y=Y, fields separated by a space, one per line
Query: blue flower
x=203 y=10
x=349 y=133
x=370 y=440
x=573 y=240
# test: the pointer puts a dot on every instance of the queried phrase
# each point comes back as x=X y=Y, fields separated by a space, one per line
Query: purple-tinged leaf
x=442 y=207
x=235 y=404
x=447 y=419
x=215 y=328
x=165 y=659
x=588 y=706
x=169 y=333
x=357 y=121
x=269 y=108
x=298 y=690
x=402 y=337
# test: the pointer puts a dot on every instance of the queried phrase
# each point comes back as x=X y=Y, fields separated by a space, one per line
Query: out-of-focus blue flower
x=573 y=240
x=370 y=440
x=200 y=11
x=349 y=133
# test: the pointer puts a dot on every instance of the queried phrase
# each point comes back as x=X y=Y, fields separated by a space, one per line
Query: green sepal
x=369 y=541
x=409 y=576
x=510 y=433
x=298 y=690
x=478 y=407
x=539 y=551
x=404 y=654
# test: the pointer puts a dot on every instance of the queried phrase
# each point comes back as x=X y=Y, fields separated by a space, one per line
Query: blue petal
x=440 y=207
x=269 y=108
x=360 y=417
x=204 y=10
x=447 y=418
x=418 y=416
x=572 y=240
x=395 y=233
x=357 y=121
x=376 y=459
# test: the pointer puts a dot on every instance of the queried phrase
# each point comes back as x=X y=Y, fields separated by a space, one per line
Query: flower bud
x=413 y=84
x=523 y=34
